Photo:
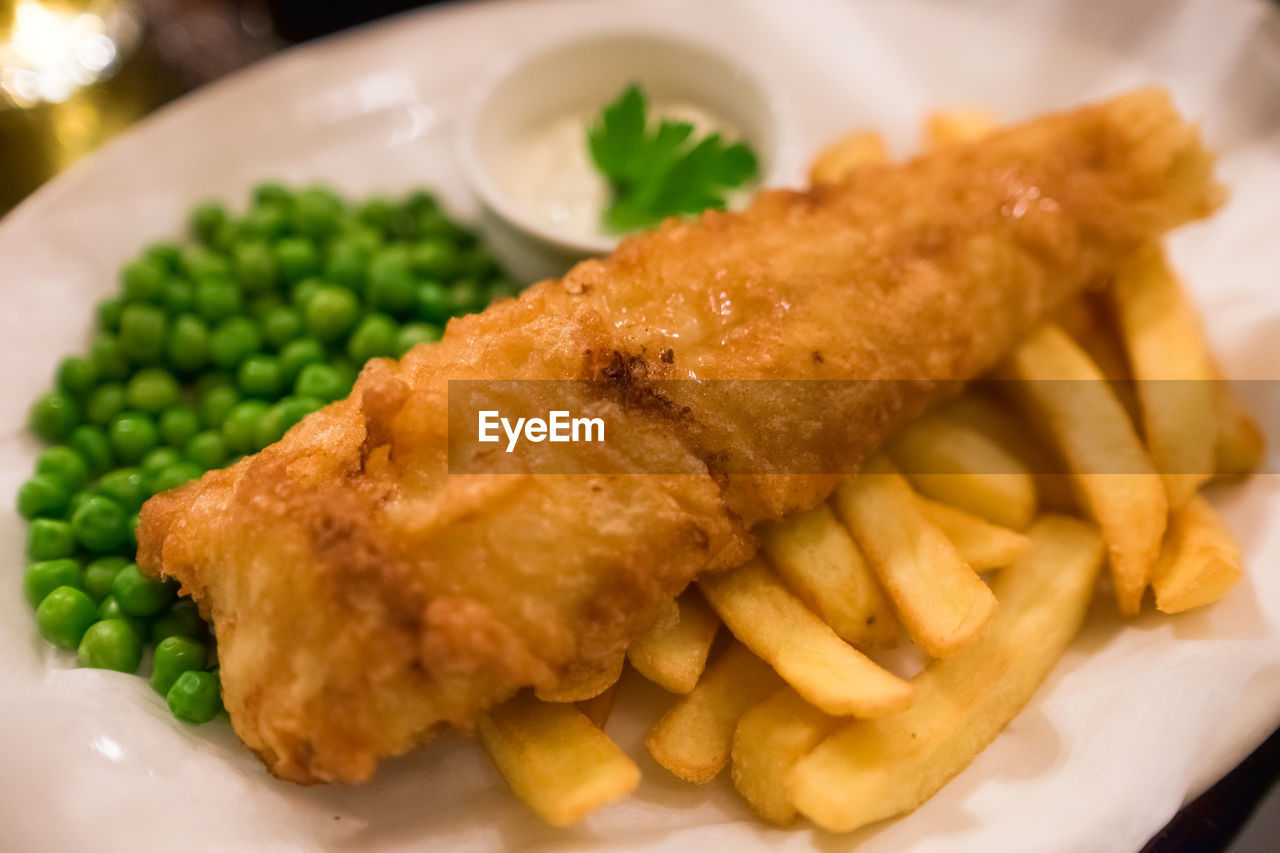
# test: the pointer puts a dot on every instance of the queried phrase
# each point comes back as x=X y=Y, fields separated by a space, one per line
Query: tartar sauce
x=548 y=173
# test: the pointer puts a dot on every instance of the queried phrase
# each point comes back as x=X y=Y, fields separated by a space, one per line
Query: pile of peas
x=211 y=350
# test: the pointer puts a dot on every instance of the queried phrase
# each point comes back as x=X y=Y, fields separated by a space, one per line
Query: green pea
x=142 y=333
x=321 y=381
x=433 y=223
x=177 y=474
x=348 y=263
x=260 y=376
x=476 y=263
x=283 y=415
x=317 y=213
x=110 y=608
x=178 y=424
x=53 y=415
x=271 y=193
x=138 y=594
x=296 y=258
x=125 y=486
x=217 y=298
x=240 y=429
x=215 y=403
x=434 y=303
x=263 y=304
x=165 y=253
x=159 y=458
x=64 y=615
x=391 y=284
x=173 y=657
x=303 y=291
x=207 y=449
x=187 y=346
x=434 y=258
x=93 y=446
x=281 y=325
x=255 y=266
x=233 y=340
x=199 y=262
x=43 y=495
x=375 y=337
x=152 y=390
x=77 y=375
x=106 y=401
x=100 y=574
x=100 y=524
x=182 y=619
x=205 y=220
x=132 y=434
x=142 y=281
x=466 y=297
x=178 y=297
x=43 y=577
x=65 y=463
x=268 y=222
x=195 y=697
x=111 y=644
x=331 y=313
x=50 y=539
x=108 y=312
x=213 y=379
x=107 y=356
x=377 y=213
x=412 y=334
x=297 y=355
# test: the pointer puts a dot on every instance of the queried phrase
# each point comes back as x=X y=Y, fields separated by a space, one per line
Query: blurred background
x=74 y=73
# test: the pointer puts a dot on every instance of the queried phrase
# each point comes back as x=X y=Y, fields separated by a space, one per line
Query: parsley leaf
x=657 y=172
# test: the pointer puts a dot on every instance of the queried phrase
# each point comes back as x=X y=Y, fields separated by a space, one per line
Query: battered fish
x=362 y=596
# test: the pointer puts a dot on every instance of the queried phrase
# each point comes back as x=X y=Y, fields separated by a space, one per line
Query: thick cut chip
x=1241 y=446
x=961 y=124
x=802 y=648
x=950 y=462
x=875 y=769
x=939 y=598
x=818 y=560
x=555 y=759
x=1063 y=391
x=693 y=739
x=1170 y=360
x=983 y=545
x=839 y=159
x=1199 y=562
x=769 y=740
x=673 y=652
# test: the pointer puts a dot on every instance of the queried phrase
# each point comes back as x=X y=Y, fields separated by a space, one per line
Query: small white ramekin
x=584 y=74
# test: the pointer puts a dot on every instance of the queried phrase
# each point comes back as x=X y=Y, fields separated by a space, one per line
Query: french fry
x=940 y=600
x=983 y=545
x=952 y=463
x=555 y=759
x=597 y=709
x=964 y=124
x=693 y=739
x=1200 y=560
x=1240 y=447
x=839 y=159
x=875 y=769
x=769 y=740
x=1170 y=360
x=586 y=688
x=1065 y=392
x=817 y=559
x=673 y=652
x=994 y=419
x=800 y=647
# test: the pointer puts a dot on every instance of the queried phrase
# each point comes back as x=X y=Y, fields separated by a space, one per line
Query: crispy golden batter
x=362 y=596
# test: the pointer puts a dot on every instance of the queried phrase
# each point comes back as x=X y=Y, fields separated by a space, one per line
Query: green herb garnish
x=657 y=172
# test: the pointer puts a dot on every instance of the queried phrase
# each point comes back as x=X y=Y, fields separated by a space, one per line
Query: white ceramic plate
x=1138 y=715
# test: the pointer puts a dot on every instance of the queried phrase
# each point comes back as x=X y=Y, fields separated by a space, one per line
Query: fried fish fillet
x=363 y=596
